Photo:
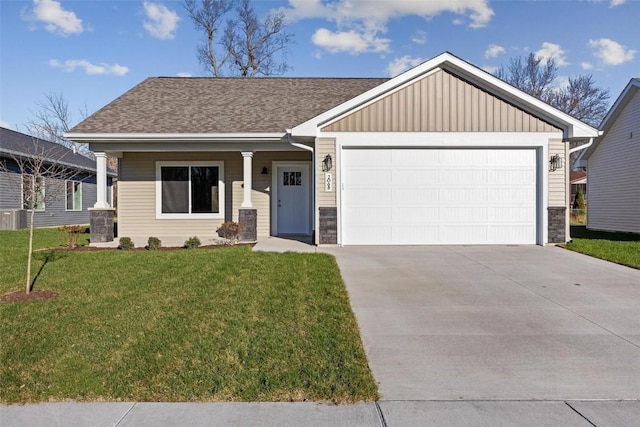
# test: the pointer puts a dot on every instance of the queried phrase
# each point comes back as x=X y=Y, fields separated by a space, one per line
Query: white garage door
x=438 y=196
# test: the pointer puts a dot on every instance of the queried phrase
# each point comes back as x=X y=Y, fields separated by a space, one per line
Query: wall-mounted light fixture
x=555 y=163
x=327 y=163
x=265 y=171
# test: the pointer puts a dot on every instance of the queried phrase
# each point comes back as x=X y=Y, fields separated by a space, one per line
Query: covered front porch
x=174 y=191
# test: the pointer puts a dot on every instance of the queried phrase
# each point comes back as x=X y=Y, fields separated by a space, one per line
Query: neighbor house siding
x=613 y=185
x=439 y=102
x=137 y=194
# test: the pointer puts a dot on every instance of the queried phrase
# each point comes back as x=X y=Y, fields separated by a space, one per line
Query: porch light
x=555 y=163
x=265 y=171
x=327 y=163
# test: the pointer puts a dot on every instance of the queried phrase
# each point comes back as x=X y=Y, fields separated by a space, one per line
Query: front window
x=33 y=192
x=189 y=189
x=74 y=195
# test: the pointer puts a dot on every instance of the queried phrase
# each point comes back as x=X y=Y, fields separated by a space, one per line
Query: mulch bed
x=35 y=295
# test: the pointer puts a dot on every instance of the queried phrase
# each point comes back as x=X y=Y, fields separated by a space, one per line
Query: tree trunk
x=33 y=211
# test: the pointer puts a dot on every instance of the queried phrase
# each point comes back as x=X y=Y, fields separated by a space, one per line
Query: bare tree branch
x=248 y=47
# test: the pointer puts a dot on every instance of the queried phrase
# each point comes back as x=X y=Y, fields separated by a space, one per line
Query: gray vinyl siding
x=613 y=180
x=55 y=212
x=137 y=194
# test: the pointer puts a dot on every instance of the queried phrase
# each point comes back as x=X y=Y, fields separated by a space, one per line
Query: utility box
x=13 y=219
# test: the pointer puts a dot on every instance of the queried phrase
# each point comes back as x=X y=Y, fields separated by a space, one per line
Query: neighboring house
x=444 y=153
x=73 y=198
x=612 y=163
x=577 y=179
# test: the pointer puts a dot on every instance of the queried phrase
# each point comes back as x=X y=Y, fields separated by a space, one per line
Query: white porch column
x=101 y=178
x=247 y=157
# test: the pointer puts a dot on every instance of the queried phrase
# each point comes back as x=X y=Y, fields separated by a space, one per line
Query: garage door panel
x=439 y=196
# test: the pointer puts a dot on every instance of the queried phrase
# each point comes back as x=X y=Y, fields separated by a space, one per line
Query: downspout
x=581 y=147
x=293 y=143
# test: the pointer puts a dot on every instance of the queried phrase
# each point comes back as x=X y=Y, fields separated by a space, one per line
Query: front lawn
x=186 y=325
x=621 y=248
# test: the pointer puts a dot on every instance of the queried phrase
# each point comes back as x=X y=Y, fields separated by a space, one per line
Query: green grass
x=621 y=248
x=187 y=325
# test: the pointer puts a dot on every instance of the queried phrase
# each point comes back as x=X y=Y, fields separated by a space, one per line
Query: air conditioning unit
x=13 y=219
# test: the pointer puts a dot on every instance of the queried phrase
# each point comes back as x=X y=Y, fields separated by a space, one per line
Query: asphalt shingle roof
x=222 y=105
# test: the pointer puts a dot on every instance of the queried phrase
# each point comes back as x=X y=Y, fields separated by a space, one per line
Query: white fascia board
x=573 y=128
x=442 y=139
x=174 y=137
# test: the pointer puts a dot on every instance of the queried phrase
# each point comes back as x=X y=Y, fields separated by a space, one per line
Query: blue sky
x=92 y=51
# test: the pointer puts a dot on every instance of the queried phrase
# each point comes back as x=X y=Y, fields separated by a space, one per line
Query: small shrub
x=72 y=234
x=192 y=242
x=229 y=230
x=154 y=243
x=126 y=243
x=579 y=202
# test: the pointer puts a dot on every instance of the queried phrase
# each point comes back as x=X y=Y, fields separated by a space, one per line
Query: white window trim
x=221 y=191
x=66 y=208
x=44 y=192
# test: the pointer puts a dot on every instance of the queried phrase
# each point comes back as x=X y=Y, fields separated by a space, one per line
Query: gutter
x=292 y=142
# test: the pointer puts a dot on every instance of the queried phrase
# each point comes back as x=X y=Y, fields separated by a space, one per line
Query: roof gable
x=626 y=96
x=571 y=127
x=439 y=102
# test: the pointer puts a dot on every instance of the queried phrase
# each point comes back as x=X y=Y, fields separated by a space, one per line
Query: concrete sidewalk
x=384 y=413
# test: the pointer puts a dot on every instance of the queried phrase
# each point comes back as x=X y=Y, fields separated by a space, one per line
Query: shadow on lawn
x=581 y=232
x=46 y=256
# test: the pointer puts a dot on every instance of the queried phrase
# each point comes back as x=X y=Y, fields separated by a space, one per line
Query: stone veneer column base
x=248 y=220
x=557 y=231
x=101 y=224
x=328 y=226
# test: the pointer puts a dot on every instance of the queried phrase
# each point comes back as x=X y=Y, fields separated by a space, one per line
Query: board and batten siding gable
x=613 y=175
x=137 y=194
x=439 y=102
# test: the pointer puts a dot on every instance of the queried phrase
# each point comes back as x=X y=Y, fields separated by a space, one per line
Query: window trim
x=66 y=194
x=190 y=163
x=44 y=192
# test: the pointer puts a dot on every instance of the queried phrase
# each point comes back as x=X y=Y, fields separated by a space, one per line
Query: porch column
x=247 y=214
x=247 y=157
x=101 y=216
x=101 y=180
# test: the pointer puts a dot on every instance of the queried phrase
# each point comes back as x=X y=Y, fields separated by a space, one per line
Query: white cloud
x=493 y=50
x=161 y=22
x=614 y=3
x=561 y=82
x=183 y=74
x=5 y=124
x=419 y=37
x=611 y=52
x=350 y=41
x=586 y=65
x=491 y=69
x=365 y=20
x=553 y=51
x=402 y=64
x=317 y=54
x=56 y=19
x=91 y=69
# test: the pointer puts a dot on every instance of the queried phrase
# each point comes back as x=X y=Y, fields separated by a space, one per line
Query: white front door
x=292 y=199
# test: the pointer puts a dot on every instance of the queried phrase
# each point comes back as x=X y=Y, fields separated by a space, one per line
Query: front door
x=293 y=199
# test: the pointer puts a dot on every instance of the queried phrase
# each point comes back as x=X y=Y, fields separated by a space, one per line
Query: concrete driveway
x=495 y=322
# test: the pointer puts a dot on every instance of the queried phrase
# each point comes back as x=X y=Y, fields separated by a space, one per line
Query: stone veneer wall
x=248 y=220
x=101 y=225
x=328 y=226
x=557 y=224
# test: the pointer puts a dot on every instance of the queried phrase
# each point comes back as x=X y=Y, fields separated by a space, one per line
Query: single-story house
x=444 y=153
x=65 y=201
x=612 y=163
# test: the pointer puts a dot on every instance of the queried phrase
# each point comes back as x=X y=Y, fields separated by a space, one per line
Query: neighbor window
x=74 y=195
x=33 y=192
x=189 y=188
